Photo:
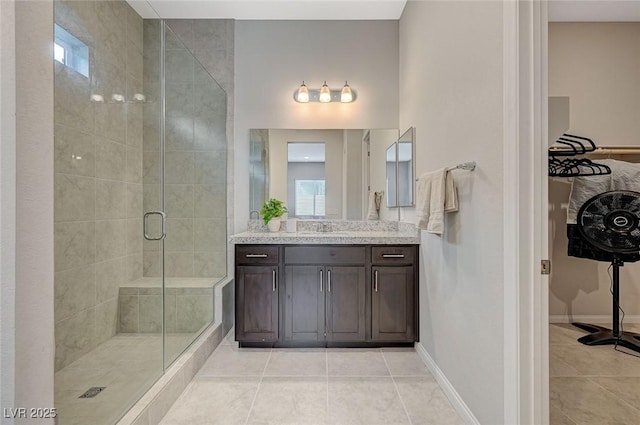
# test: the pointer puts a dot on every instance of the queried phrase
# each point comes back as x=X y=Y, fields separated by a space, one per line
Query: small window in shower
x=70 y=51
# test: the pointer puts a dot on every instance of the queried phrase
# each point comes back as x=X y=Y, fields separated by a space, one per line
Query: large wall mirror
x=400 y=171
x=319 y=174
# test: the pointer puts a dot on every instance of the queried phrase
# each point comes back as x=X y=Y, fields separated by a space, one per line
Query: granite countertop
x=339 y=235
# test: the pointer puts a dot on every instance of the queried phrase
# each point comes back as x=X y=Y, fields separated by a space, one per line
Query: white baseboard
x=456 y=401
x=604 y=319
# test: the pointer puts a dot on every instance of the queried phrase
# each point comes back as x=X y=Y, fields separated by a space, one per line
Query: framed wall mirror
x=320 y=174
x=400 y=171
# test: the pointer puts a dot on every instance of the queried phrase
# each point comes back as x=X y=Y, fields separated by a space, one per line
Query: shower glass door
x=140 y=203
x=194 y=188
x=108 y=316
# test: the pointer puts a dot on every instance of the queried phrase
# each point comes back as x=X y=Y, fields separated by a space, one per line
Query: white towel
x=435 y=194
x=450 y=194
x=374 y=205
x=624 y=176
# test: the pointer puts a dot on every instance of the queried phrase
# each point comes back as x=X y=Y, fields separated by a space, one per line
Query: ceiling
x=305 y=152
x=559 y=10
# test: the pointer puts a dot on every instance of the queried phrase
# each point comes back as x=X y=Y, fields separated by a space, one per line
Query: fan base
x=604 y=336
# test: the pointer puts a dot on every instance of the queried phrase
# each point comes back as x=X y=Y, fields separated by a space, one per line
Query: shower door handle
x=163 y=219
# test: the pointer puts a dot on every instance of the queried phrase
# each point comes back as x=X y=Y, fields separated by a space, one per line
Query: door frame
x=526 y=342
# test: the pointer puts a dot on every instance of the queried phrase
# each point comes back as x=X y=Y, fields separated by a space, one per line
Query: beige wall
x=8 y=204
x=34 y=226
x=597 y=65
x=451 y=86
x=272 y=59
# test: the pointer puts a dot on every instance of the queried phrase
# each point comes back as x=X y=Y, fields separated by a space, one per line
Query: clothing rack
x=572 y=147
x=616 y=150
x=469 y=166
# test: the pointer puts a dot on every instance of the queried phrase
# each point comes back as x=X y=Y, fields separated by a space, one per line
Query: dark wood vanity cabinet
x=328 y=294
x=304 y=303
x=257 y=289
x=324 y=303
x=393 y=299
x=325 y=293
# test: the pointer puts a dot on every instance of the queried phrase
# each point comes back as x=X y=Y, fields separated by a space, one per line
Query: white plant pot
x=274 y=225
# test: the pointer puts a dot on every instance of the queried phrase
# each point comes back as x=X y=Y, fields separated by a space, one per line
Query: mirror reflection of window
x=309 y=202
x=306 y=179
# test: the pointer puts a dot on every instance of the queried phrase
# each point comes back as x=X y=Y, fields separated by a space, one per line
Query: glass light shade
x=303 y=94
x=346 y=95
x=325 y=93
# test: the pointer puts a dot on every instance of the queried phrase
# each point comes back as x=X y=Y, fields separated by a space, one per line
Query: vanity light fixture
x=302 y=95
x=324 y=94
x=346 y=95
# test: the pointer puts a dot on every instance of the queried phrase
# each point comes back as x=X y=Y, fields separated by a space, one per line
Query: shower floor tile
x=127 y=365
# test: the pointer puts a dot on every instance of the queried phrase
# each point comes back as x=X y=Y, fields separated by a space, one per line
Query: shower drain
x=92 y=392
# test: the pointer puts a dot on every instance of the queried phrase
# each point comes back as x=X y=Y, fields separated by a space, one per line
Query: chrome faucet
x=324 y=227
x=257 y=215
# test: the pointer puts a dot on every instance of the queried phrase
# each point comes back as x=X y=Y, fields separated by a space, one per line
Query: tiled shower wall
x=98 y=175
x=195 y=145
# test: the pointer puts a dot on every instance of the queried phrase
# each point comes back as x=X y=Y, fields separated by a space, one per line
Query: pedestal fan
x=610 y=221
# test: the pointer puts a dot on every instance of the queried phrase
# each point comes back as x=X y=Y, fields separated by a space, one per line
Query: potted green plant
x=271 y=212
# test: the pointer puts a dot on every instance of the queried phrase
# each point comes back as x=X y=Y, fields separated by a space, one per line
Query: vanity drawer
x=330 y=255
x=256 y=254
x=393 y=255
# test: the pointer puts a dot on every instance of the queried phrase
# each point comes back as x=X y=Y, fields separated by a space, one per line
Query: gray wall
x=451 y=86
x=98 y=198
x=272 y=59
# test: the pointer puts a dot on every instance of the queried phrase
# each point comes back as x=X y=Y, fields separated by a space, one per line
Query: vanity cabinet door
x=257 y=303
x=345 y=298
x=304 y=303
x=393 y=311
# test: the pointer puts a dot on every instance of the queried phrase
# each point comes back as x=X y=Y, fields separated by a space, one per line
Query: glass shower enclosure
x=140 y=205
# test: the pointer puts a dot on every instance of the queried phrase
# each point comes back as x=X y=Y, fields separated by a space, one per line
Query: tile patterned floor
x=312 y=387
x=591 y=385
x=127 y=365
